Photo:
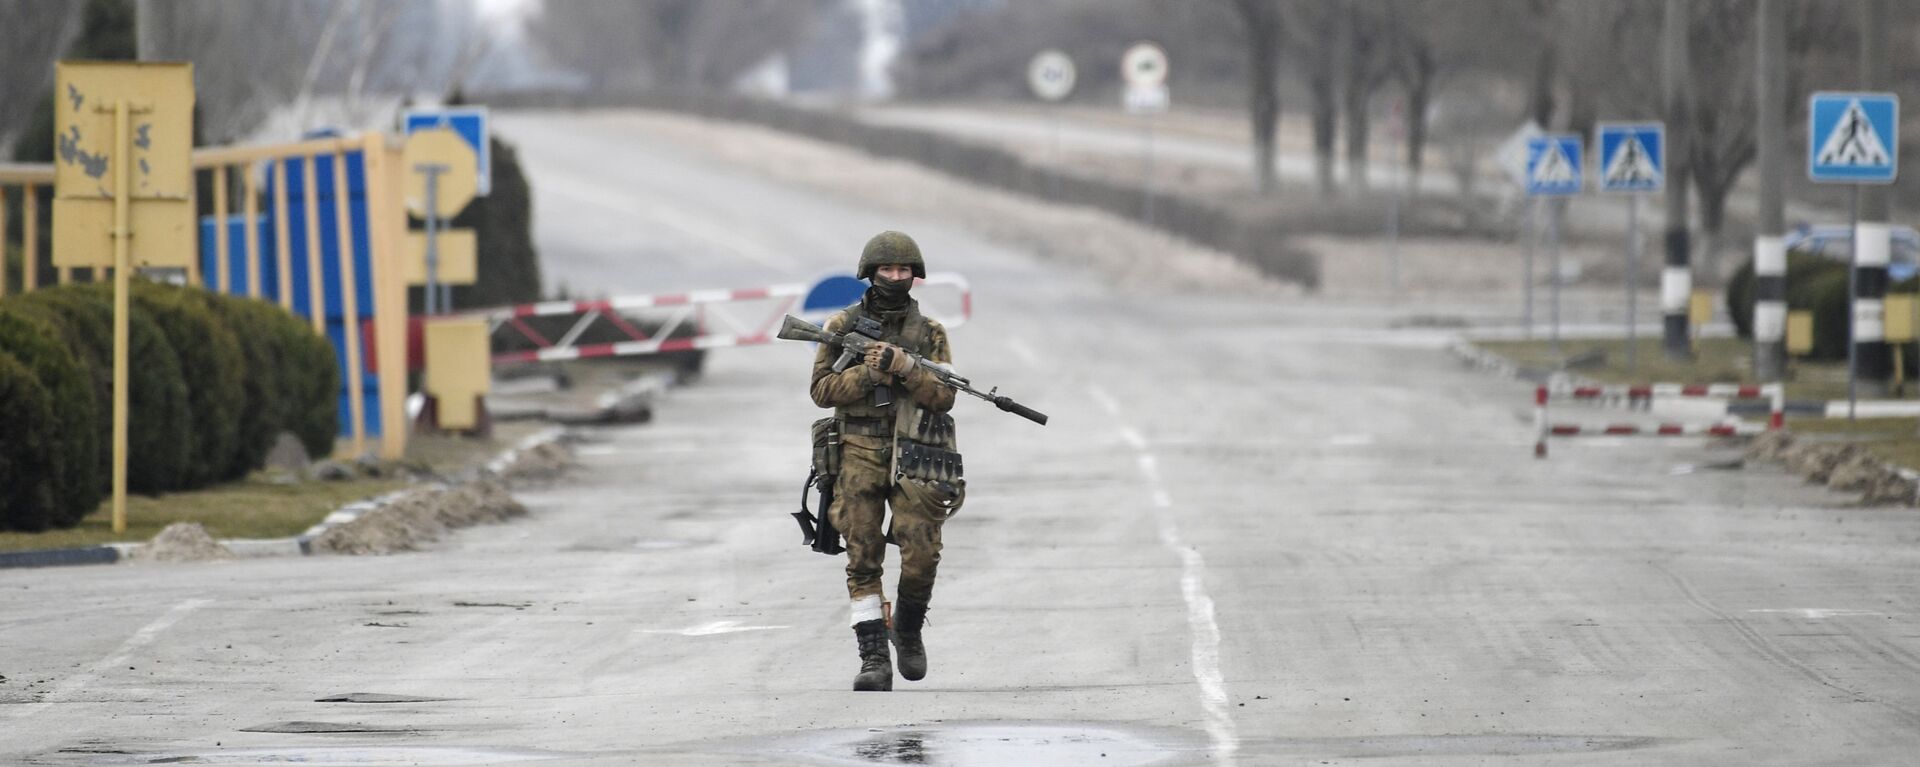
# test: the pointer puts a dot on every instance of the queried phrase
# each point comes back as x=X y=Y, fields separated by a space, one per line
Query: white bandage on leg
x=865 y=609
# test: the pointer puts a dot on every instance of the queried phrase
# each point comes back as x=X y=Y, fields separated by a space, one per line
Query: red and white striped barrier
x=1642 y=396
x=702 y=319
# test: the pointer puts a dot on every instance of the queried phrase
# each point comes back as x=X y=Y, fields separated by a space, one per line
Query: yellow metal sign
x=456 y=181
x=1899 y=317
x=458 y=370
x=158 y=150
x=1700 y=309
x=1800 y=333
x=458 y=254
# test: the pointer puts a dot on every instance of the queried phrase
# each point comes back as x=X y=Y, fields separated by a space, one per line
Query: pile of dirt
x=420 y=516
x=1842 y=466
x=544 y=461
x=1769 y=446
x=182 y=542
x=1818 y=460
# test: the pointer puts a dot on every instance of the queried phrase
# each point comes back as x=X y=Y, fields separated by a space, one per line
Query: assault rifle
x=855 y=343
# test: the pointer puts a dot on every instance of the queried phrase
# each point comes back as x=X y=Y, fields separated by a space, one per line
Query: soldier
x=884 y=407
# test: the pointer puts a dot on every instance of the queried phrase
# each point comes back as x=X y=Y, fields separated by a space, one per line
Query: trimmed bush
x=310 y=386
x=263 y=413
x=26 y=469
x=1801 y=268
x=291 y=380
x=30 y=336
x=214 y=380
x=159 y=432
x=213 y=368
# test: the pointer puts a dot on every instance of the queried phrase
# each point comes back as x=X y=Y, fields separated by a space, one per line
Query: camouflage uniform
x=866 y=487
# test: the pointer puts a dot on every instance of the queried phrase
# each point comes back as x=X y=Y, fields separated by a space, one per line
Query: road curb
x=258 y=548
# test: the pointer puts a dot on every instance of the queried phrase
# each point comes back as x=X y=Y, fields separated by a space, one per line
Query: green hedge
x=29 y=336
x=159 y=436
x=26 y=471
x=214 y=380
x=213 y=369
x=1814 y=283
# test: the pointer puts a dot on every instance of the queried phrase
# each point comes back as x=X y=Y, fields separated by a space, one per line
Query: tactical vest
x=925 y=454
x=911 y=332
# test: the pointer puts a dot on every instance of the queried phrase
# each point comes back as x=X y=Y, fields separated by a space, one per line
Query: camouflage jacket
x=850 y=391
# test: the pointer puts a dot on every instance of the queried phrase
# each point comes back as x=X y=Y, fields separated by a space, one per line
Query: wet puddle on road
x=985 y=743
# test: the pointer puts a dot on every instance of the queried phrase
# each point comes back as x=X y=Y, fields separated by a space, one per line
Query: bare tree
x=1367 y=66
x=1413 y=63
x=1260 y=24
x=1312 y=28
x=667 y=43
x=30 y=41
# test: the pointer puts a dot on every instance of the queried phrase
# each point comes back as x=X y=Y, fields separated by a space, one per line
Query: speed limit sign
x=1051 y=75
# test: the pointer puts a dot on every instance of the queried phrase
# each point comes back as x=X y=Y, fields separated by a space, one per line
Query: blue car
x=1835 y=241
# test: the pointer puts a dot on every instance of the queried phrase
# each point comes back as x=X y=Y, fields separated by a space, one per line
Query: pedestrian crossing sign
x=1853 y=138
x=1553 y=164
x=1632 y=156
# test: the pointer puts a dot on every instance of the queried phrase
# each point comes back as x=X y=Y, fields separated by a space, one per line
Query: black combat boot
x=876 y=667
x=907 y=621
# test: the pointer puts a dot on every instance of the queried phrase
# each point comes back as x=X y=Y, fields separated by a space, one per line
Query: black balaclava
x=889 y=295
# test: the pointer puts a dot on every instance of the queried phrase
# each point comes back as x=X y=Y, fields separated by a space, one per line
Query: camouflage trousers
x=861 y=497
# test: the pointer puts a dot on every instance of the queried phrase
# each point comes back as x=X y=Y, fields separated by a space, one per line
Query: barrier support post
x=1540 y=421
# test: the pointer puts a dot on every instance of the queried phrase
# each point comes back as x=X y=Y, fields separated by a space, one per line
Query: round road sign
x=458 y=177
x=1144 y=64
x=1050 y=75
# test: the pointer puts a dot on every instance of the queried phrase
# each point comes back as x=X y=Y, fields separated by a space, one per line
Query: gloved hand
x=897 y=363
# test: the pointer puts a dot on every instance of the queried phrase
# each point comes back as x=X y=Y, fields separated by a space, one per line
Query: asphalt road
x=1255 y=532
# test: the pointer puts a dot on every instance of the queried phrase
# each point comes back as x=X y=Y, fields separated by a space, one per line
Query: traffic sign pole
x=1853 y=308
x=1553 y=259
x=1532 y=236
x=1633 y=284
x=1854 y=138
x=122 y=287
x=432 y=171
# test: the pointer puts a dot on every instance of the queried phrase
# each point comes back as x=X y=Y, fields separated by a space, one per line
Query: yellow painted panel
x=1700 y=309
x=458 y=369
x=459 y=257
x=83 y=232
x=1899 y=317
x=459 y=182
x=1800 y=333
x=160 y=97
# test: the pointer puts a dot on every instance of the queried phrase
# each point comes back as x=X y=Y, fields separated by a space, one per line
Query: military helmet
x=890 y=247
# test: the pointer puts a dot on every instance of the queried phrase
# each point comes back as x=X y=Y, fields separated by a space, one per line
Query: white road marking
x=1024 y=352
x=1201 y=622
x=1816 y=613
x=711 y=629
x=145 y=636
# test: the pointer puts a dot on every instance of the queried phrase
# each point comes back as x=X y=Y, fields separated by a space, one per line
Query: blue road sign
x=1853 y=138
x=470 y=123
x=1553 y=164
x=1632 y=156
x=831 y=294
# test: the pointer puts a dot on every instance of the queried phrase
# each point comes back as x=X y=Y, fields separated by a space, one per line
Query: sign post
x=1144 y=68
x=1633 y=161
x=1554 y=170
x=123 y=136
x=1854 y=138
x=442 y=178
x=1051 y=76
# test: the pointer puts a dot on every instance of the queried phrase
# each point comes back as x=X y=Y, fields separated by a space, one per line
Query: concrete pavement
x=1256 y=531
